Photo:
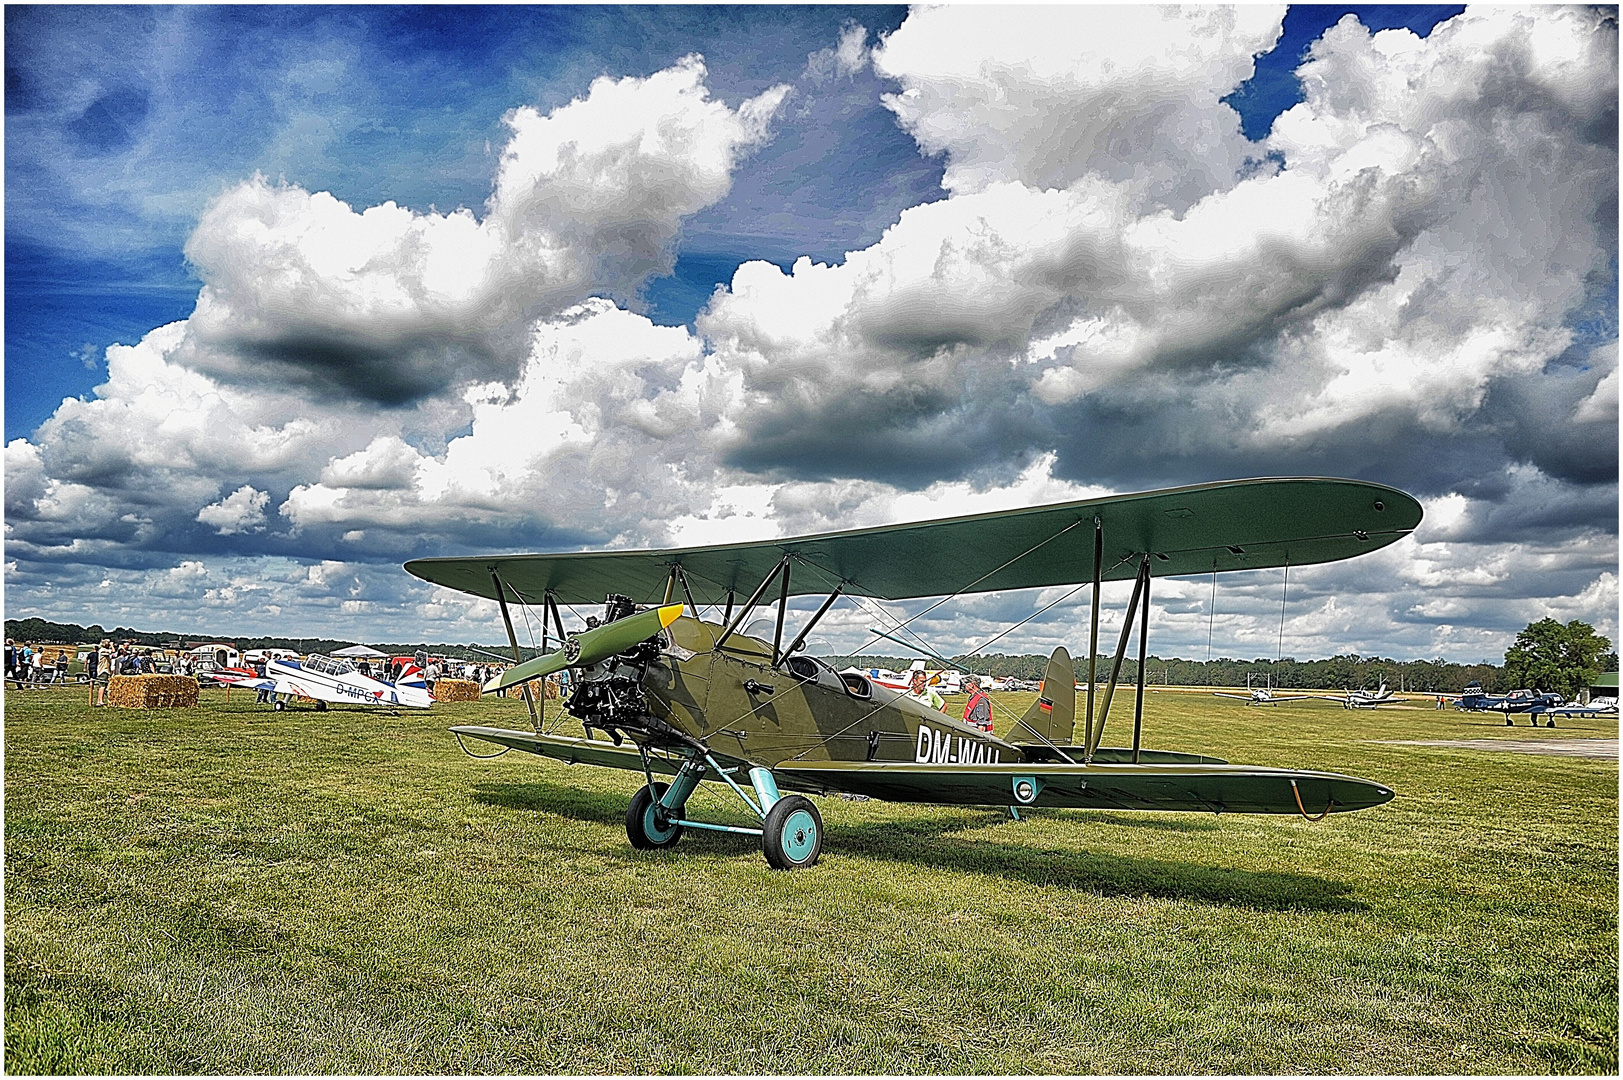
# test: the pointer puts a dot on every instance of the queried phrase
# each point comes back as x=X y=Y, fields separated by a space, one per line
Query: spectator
x=61 y=675
x=921 y=692
x=36 y=667
x=103 y=657
x=978 y=711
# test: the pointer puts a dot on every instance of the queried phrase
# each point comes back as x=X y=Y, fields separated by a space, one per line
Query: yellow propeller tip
x=669 y=614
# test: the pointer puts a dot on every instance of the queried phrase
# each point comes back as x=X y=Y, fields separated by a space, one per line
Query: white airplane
x=1368 y=699
x=325 y=679
x=1260 y=695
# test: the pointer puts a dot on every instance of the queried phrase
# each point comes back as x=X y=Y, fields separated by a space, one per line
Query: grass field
x=227 y=889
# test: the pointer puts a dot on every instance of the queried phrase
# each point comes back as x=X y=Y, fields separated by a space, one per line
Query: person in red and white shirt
x=978 y=710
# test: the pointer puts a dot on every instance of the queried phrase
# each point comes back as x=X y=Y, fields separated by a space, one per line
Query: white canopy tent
x=361 y=652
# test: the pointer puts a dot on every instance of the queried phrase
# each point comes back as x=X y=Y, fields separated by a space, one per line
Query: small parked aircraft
x=1260 y=695
x=329 y=679
x=1532 y=702
x=699 y=701
x=1369 y=699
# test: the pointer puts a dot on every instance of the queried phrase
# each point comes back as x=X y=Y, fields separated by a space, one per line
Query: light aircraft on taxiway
x=685 y=697
x=1260 y=695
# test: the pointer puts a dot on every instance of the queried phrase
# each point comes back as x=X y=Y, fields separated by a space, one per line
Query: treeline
x=1337 y=673
x=42 y=631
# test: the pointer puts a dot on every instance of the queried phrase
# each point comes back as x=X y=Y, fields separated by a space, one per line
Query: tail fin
x=1052 y=718
x=411 y=675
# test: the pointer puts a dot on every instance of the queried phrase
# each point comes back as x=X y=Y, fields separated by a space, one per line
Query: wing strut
x=687 y=592
x=755 y=597
x=551 y=599
x=800 y=638
x=512 y=639
x=783 y=609
x=1121 y=650
x=1093 y=632
x=1143 y=641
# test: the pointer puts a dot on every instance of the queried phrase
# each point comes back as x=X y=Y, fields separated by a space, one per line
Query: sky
x=294 y=294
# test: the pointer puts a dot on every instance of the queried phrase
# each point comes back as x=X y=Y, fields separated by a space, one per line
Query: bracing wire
x=1280 y=654
x=1211 y=613
x=999 y=706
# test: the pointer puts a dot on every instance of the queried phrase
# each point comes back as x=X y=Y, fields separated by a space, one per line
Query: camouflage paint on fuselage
x=739 y=704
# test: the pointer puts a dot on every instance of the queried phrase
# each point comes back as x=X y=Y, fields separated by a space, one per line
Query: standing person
x=93 y=663
x=36 y=667
x=920 y=692
x=11 y=658
x=61 y=668
x=104 y=655
x=978 y=710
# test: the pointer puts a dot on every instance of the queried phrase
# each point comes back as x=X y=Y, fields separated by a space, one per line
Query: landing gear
x=278 y=704
x=321 y=706
x=1548 y=723
x=792 y=834
x=1509 y=722
x=647 y=824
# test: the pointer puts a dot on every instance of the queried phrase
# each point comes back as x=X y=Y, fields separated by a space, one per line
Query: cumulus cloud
x=239 y=512
x=390 y=305
x=1043 y=96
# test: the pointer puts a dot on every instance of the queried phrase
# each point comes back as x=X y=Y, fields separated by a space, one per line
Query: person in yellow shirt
x=921 y=692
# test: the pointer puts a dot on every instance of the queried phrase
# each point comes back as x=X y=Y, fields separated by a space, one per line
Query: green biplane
x=697 y=700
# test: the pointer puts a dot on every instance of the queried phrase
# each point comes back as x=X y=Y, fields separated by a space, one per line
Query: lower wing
x=576 y=751
x=1213 y=788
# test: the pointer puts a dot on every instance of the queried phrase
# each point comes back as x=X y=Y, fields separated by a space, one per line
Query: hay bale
x=152 y=691
x=456 y=690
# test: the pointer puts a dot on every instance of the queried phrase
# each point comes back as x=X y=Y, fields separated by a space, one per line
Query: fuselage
x=324 y=678
x=736 y=702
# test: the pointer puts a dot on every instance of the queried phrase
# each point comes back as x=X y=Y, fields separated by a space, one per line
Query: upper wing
x=1231 y=525
x=1214 y=788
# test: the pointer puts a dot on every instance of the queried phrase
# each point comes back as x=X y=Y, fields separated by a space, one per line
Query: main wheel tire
x=321 y=706
x=1551 y=722
x=792 y=835
x=1509 y=722
x=278 y=705
x=643 y=821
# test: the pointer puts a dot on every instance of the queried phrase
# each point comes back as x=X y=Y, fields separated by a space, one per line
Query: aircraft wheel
x=278 y=705
x=321 y=706
x=643 y=822
x=792 y=835
x=1509 y=722
x=1550 y=723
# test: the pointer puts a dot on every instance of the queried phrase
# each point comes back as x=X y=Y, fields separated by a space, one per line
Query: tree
x=1549 y=656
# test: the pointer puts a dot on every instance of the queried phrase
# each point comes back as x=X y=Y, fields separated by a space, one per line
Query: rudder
x=1052 y=717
